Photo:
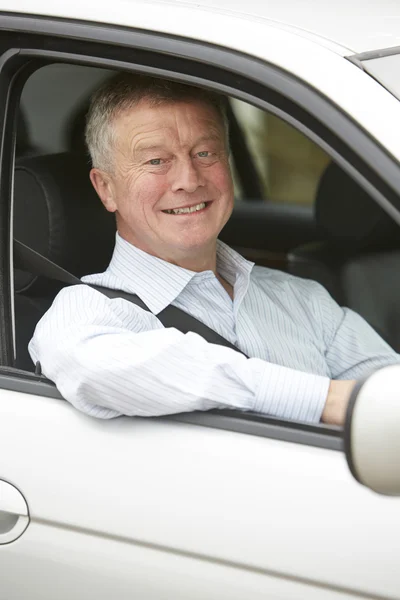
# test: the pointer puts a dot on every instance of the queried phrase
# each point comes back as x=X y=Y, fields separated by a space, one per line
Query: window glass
x=289 y=164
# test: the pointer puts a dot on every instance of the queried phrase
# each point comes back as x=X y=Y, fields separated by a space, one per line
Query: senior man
x=161 y=163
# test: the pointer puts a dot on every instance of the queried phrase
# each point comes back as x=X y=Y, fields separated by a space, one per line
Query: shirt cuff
x=289 y=394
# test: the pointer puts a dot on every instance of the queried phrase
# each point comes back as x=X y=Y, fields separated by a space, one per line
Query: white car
x=222 y=504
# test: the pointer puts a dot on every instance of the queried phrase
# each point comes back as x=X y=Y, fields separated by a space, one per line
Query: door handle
x=14 y=514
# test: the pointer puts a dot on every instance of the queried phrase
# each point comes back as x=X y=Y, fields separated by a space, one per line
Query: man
x=160 y=163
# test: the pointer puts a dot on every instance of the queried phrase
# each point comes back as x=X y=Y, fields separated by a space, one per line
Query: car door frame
x=33 y=42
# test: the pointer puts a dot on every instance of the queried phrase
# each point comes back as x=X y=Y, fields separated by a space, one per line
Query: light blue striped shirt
x=109 y=357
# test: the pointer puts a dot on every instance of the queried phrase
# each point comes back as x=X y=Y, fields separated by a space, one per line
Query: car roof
x=356 y=25
x=359 y=25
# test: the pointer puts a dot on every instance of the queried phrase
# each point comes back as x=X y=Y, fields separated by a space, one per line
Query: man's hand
x=337 y=401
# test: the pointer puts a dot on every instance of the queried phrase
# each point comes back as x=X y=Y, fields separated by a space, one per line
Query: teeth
x=191 y=209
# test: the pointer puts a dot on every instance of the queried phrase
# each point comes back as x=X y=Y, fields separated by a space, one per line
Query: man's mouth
x=187 y=209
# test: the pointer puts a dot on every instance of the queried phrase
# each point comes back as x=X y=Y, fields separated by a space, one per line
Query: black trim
x=320 y=436
x=26 y=382
x=347 y=430
x=8 y=101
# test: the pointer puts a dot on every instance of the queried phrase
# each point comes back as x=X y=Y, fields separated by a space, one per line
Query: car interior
x=339 y=236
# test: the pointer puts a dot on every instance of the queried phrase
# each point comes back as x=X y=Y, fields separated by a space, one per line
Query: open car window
x=280 y=233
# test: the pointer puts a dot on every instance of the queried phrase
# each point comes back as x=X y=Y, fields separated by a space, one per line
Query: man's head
x=160 y=156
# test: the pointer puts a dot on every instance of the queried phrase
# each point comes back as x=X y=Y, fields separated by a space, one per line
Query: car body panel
x=124 y=571
x=355 y=27
x=255 y=503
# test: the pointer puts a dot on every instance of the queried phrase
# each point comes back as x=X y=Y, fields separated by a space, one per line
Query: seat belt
x=27 y=259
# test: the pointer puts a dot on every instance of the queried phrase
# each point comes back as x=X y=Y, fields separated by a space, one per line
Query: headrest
x=349 y=218
x=58 y=213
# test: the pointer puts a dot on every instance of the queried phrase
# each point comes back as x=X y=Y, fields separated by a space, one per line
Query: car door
x=162 y=508
x=218 y=505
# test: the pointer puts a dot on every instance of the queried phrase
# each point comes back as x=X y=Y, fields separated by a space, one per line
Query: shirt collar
x=158 y=283
x=231 y=265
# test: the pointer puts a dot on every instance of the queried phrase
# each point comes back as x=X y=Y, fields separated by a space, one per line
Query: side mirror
x=372 y=431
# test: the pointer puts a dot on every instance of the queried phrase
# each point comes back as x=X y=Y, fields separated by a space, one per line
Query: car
x=220 y=504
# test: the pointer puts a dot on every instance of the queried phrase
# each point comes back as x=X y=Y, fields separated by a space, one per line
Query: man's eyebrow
x=211 y=137
x=141 y=148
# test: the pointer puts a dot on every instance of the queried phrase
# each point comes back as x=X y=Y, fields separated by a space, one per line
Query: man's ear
x=102 y=183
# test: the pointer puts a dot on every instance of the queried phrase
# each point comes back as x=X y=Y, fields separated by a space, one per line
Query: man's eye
x=204 y=154
x=155 y=161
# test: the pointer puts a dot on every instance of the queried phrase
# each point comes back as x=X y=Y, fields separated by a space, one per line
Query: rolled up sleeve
x=110 y=358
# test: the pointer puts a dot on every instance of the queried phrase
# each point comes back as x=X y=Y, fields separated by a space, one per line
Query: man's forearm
x=337 y=400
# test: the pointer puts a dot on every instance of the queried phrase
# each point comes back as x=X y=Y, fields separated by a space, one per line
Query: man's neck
x=196 y=263
x=197 y=260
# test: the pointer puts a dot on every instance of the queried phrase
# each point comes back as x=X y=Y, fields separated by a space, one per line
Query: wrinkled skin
x=167 y=157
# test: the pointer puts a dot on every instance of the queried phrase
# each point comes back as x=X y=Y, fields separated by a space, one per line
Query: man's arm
x=339 y=392
x=353 y=348
x=109 y=357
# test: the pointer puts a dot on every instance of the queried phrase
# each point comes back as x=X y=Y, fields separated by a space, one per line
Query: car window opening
x=288 y=215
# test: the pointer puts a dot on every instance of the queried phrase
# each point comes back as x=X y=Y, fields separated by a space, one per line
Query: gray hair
x=124 y=91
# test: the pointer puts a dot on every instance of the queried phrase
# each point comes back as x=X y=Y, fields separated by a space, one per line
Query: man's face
x=169 y=159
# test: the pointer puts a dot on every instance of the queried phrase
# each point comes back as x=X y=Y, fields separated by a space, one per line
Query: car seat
x=57 y=213
x=359 y=260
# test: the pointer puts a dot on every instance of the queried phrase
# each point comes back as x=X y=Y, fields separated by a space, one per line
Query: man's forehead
x=151 y=125
x=148 y=112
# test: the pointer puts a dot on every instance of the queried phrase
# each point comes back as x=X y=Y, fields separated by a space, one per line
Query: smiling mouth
x=188 y=209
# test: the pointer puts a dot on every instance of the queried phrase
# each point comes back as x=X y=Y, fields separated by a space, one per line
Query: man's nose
x=186 y=176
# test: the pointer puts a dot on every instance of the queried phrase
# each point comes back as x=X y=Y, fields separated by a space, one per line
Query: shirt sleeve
x=353 y=348
x=108 y=357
